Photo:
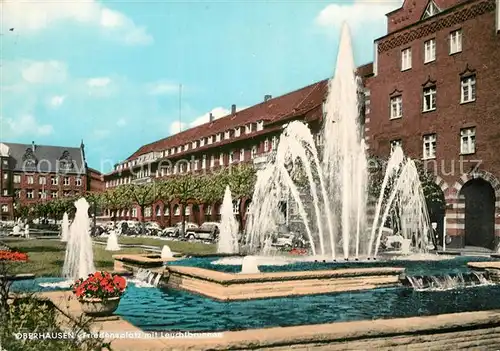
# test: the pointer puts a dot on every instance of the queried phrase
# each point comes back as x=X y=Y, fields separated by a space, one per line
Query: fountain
x=79 y=259
x=144 y=278
x=329 y=185
x=166 y=252
x=228 y=237
x=112 y=243
x=65 y=227
x=249 y=265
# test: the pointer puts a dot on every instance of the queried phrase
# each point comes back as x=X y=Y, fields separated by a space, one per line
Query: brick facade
x=478 y=58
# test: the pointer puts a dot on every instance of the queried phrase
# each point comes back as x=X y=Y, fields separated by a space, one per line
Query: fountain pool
x=170 y=310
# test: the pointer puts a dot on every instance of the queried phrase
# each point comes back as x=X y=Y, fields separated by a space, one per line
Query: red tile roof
x=296 y=103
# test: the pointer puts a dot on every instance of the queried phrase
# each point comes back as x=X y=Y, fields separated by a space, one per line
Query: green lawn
x=184 y=247
x=46 y=257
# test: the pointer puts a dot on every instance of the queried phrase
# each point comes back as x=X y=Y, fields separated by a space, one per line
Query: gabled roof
x=430 y=10
x=48 y=158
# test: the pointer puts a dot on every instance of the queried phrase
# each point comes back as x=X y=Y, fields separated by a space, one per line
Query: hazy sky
x=108 y=72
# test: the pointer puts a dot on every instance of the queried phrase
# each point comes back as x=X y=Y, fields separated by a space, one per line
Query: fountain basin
x=135 y=261
x=492 y=269
x=232 y=286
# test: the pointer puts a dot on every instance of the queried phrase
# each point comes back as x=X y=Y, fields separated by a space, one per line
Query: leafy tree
x=95 y=200
x=21 y=211
x=167 y=196
x=143 y=195
x=241 y=181
x=187 y=188
x=213 y=189
x=115 y=199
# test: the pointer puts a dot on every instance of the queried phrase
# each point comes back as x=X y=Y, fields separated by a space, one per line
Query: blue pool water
x=171 y=310
x=446 y=266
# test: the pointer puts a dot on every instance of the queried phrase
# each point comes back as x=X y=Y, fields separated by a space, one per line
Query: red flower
x=16 y=256
x=100 y=285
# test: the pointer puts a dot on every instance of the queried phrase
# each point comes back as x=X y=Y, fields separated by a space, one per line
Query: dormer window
x=193 y=144
x=210 y=140
x=218 y=137
x=202 y=142
x=179 y=149
x=227 y=134
x=248 y=128
x=172 y=151
x=237 y=132
x=260 y=125
x=430 y=10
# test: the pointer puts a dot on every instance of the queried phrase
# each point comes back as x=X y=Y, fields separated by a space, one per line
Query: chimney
x=267 y=97
x=33 y=147
x=233 y=109
x=211 y=117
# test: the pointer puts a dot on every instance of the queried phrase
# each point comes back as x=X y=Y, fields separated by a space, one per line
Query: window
x=431 y=10
x=266 y=145
x=248 y=128
x=468 y=141
x=212 y=161
x=66 y=193
x=260 y=125
x=395 y=143
x=177 y=210
x=5 y=192
x=195 y=164
x=227 y=134
x=42 y=180
x=319 y=139
x=147 y=212
x=396 y=107
x=66 y=180
x=218 y=137
x=30 y=194
x=429 y=146
x=17 y=178
x=53 y=194
x=5 y=208
x=29 y=179
x=274 y=143
x=468 y=85
x=42 y=194
x=242 y=155
x=455 y=41
x=5 y=176
x=210 y=140
x=17 y=193
x=5 y=162
x=231 y=157
x=204 y=162
x=208 y=210
x=78 y=181
x=430 y=50
x=237 y=132
x=186 y=147
x=193 y=144
x=254 y=151
x=406 y=59
x=236 y=209
x=187 y=212
x=134 y=212
x=221 y=159
x=429 y=99
x=54 y=180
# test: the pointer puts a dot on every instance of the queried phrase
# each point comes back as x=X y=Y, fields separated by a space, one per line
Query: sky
x=121 y=74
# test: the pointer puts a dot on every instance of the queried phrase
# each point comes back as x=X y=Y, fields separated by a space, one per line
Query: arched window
x=177 y=210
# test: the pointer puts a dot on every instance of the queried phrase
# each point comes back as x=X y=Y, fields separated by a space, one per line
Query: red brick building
x=95 y=180
x=435 y=89
x=32 y=173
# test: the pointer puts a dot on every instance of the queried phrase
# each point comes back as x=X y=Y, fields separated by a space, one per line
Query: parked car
x=175 y=231
x=207 y=231
x=152 y=228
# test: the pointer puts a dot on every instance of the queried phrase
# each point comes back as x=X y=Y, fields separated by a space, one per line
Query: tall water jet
x=112 y=242
x=65 y=227
x=228 y=236
x=344 y=158
x=79 y=259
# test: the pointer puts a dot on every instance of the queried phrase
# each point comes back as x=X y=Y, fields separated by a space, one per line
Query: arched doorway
x=436 y=206
x=479 y=213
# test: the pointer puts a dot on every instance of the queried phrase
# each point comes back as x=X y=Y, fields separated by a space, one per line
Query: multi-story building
x=32 y=173
x=95 y=180
x=246 y=136
x=435 y=90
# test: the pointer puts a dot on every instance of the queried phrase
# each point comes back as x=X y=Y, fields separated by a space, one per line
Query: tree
x=241 y=181
x=187 y=188
x=167 y=196
x=115 y=199
x=21 y=211
x=143 y=195
x=213 y=189
x=95 y=200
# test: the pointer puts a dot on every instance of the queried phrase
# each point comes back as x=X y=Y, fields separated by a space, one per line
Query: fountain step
x=24 y=276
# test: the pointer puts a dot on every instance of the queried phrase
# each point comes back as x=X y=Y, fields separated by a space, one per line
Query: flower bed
x=6 y=255
x=100 y=285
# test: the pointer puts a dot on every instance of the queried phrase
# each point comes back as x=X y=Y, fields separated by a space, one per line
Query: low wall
x=230 y=287
x=458 y=331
